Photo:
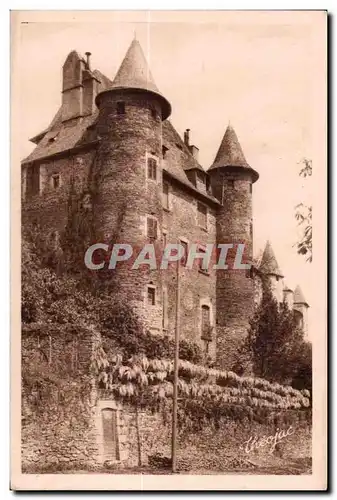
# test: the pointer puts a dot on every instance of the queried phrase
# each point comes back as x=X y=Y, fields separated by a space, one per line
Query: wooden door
x=110 y=434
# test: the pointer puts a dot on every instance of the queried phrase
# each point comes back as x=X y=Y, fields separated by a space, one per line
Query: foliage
x=303 y=216
x=139 y=378
x=274 y=344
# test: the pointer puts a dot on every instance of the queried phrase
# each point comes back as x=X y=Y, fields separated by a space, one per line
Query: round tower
x=127 y=173
x=232 y=179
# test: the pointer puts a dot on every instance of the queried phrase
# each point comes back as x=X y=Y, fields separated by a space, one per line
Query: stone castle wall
x=62 y=417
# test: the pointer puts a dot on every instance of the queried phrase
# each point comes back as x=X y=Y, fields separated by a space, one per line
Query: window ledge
x=168 y=210
x=203 y=229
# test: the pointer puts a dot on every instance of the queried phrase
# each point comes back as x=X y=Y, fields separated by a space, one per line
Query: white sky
x=256 y=74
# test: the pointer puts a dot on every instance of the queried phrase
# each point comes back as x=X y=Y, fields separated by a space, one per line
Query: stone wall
x=49 y=206
x=58 y=398
x=63 y=428
x=143 y=434
x=197 y=288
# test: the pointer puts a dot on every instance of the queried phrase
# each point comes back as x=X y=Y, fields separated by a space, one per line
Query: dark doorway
x=110 y=441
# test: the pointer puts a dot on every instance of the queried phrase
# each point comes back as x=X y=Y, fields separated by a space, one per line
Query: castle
x=141 y=182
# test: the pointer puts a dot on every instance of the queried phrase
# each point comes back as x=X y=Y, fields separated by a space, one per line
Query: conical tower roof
x=269 y=263
x=134 y=71
x=230 y=153
x=298 y=296
x=134 y=74
x=286 y=288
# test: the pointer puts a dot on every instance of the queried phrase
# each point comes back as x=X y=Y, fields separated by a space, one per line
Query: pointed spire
x=299 y=297
x=230 y=153
x=286 y=288
x=269 y=263
x=134 y=73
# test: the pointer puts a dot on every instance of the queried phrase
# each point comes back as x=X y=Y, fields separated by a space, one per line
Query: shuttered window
x=152 y=225
x=152 y=168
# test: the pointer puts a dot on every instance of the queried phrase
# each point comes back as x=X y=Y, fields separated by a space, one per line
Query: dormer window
x=121 y=108
x=52 y=136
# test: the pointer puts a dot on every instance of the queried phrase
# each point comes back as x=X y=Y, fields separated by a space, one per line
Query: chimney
x=88 y=54
x=187 y=137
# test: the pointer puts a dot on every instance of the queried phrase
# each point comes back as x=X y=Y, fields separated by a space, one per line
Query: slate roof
x=230 y=153
x=59 y=137
x=299 y=297
x=268 y=264
x=286 y=288
x=65 y=135
x=134 y=73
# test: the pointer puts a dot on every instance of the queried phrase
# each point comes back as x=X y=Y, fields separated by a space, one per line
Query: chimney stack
x=88 y=54
x=187 y=137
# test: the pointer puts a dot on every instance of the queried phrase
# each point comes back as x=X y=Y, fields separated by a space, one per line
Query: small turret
x=288 y=296
x=269 y=267
x=301 y=307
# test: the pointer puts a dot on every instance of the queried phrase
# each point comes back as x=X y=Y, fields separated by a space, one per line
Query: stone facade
x=103 y=152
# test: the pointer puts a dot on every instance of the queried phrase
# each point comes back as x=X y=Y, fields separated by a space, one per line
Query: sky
x=254 y=72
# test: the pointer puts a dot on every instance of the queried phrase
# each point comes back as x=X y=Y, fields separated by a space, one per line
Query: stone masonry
x=112 y=142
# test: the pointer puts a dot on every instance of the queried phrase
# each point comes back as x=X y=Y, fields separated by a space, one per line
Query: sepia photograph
x=169 y=313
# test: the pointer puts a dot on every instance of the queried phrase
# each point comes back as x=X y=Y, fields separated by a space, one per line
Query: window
x=201 y=261
x=152 y=168
x=110 y=443
x=231 y=183
x=152 y=225
x=250 y=188
x=164 y=149
x=121 y=108
x=166 y=188
x=164 y=238
x=206 y=323
x=56 y=181
x=184 y=244
x=151 y=296
x=153 y=113
x=33 y=180
x=202 y=215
